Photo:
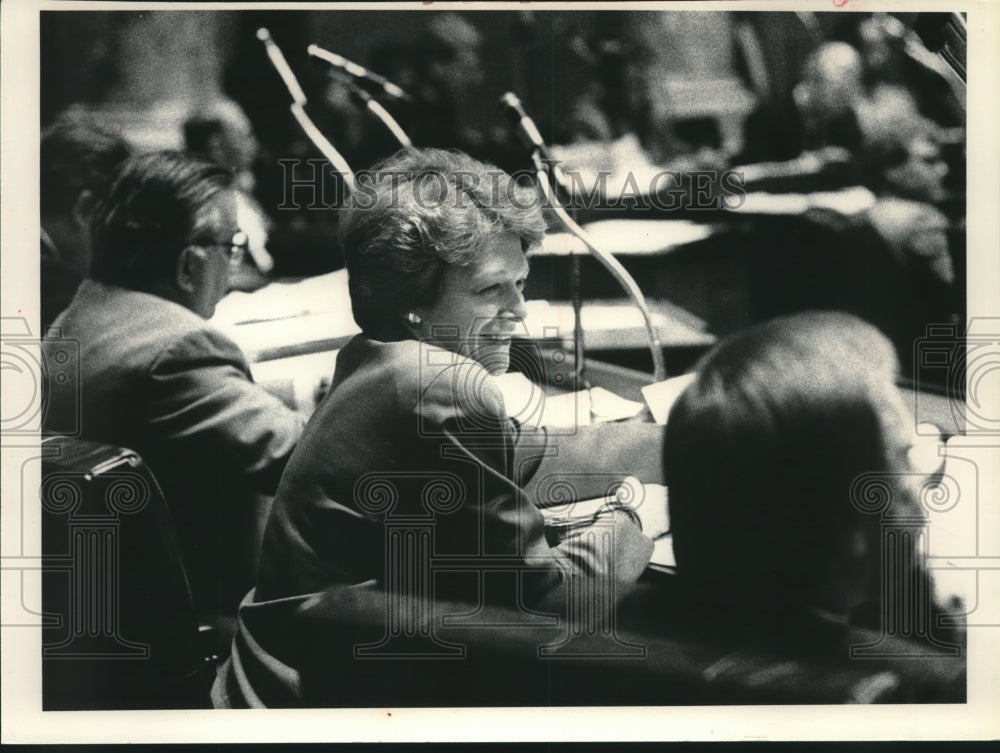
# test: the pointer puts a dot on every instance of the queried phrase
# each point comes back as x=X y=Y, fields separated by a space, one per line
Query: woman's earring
x=413 y=319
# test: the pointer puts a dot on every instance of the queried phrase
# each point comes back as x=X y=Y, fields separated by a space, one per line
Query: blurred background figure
x=78 y=160
x=897 y=64
x=610 y=125
x=220 y=132
x=901 y=163
x=764 y=453
x=448 y=71
x=818 y=114
x=902 y=157
x=830 y=88
x=616 y=101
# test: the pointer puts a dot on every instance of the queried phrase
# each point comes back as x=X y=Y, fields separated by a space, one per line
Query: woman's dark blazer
x=412 y=437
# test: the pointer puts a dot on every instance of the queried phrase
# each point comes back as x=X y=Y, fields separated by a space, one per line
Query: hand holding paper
x=650 y=502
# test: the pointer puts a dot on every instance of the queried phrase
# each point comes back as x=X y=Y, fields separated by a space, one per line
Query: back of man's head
x=78 y=159
x=901 y=157
x=219 y=131
x=76 y=155
x=150 y=215
x=831 y=80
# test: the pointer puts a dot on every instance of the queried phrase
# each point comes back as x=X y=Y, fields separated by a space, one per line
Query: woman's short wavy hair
x=764 y=452
x=418 y=213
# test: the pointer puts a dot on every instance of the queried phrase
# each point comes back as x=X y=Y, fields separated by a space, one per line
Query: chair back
x=120 y=629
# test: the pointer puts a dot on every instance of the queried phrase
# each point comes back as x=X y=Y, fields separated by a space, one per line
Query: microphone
x=359 y=71
x=529 y=134
x=298 y=106
x=373 y=106
x=281 y=66
x=532 y=139
x=524 y=126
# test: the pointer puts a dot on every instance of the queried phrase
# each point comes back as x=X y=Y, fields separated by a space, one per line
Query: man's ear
x=187 y=270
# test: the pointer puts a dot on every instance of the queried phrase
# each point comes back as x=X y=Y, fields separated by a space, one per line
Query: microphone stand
x=371 y=104
x=609 y=262
x=381 y=114
x=298 y=110
x=359 y=72
x=552 y=181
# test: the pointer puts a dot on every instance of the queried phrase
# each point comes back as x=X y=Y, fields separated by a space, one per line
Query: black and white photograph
x=468 y=371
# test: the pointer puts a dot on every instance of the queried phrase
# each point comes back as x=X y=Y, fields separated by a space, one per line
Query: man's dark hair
x=76 y=155
x=150 y=214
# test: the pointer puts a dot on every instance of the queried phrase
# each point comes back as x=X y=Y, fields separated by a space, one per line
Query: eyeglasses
x=234 y=248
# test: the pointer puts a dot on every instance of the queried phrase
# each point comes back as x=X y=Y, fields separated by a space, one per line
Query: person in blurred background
x=448 y=68
x=902 y=158
x=616 y=101
x=154 y=377
x=766 y=456
x=77 y=162
x=220 y=132
x=442 y=68
x=901 y=163
x=818 y=116
x=897 y=65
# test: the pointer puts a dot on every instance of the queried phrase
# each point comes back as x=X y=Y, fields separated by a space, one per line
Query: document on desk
x=660 y=397
x=529 y=404
x=323 y=294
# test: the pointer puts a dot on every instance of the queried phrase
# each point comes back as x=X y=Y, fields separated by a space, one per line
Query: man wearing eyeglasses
x=157 y=378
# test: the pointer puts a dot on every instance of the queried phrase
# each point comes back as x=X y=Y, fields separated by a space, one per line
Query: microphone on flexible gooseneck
x=553 y=182
x=550 y=176
x=524 y=126
x=359 y=72
x=375 y=108
x=360 y=95
x=531 y=137
x=298 y=108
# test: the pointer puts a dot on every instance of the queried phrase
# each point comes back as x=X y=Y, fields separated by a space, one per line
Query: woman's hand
x=649 y=503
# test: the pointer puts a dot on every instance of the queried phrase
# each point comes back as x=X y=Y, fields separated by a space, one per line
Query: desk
x=287 y=319
x=629 y=237
x=291 y=331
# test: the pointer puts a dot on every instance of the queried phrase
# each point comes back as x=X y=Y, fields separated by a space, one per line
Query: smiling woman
x=436 y=239
x=411 y=478
x=483 y=302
